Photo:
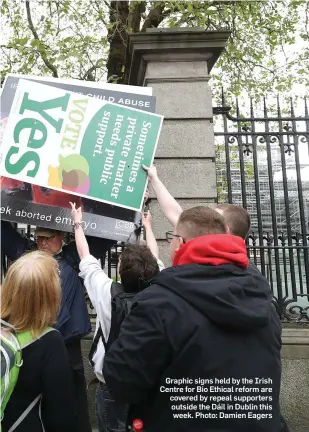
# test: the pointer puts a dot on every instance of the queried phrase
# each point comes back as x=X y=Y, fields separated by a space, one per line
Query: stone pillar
x=176 y=64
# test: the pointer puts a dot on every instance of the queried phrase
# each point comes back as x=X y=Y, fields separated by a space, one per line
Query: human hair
x=31 y=293
x=199 y=221
x=237 y=218
x=137 y=262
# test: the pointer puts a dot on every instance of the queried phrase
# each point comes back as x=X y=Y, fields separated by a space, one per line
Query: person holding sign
x=204 y=322
x=138 y=265
x=236 y=217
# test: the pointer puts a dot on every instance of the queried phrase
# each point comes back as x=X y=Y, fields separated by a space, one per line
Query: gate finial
x=265 y=106
x=278 y=106
x=292 y=107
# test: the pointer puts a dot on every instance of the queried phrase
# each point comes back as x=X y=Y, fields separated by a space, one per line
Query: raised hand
x=77 y=215
x=147 y=220
x=152 y=173
x=146 y=196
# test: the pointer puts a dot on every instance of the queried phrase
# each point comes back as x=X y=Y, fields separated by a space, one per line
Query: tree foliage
x=268 y=49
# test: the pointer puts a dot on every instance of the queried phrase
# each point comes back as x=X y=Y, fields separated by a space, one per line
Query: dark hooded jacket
x=209 y=317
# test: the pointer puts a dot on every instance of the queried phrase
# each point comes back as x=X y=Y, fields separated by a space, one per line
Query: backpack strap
x=6 y=324
x=99 y=335
x=26 y=338
x=116 y=288
x=25 y=413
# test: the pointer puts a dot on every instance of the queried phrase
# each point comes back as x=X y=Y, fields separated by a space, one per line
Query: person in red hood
x=200 y=349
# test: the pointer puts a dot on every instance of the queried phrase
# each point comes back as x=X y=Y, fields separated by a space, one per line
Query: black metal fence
x=263 y=165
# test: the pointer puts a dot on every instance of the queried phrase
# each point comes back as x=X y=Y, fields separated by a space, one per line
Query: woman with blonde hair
x=30 y=299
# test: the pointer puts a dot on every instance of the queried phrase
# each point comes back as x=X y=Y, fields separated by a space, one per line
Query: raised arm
x=96 y=281
x=168 y=204
x=80 y=238
x=150 y=237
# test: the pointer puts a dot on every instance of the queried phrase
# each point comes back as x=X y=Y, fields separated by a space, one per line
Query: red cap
x=138 y=425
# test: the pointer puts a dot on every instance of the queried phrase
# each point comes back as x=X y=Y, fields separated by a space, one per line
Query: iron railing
x=263 y=165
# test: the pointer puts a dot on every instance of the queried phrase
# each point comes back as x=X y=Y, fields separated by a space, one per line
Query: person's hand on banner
x=152 y=173
x=150 y=238
x=77 y=215
x=147 y=220
x=146 y=196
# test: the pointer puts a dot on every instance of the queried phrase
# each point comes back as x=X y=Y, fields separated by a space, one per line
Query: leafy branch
x=40 y=45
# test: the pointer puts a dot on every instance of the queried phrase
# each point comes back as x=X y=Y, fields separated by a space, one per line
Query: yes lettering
x=28 y=157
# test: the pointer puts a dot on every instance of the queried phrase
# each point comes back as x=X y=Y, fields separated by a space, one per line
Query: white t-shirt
x=98 y=286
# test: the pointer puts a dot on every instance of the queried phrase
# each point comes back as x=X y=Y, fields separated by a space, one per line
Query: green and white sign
x=70 y=142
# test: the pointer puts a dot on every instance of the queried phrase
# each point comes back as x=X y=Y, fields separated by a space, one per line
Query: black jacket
x=199 y=322
x=45 y=370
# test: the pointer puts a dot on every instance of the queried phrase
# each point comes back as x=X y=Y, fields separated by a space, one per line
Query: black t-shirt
x=45 y=370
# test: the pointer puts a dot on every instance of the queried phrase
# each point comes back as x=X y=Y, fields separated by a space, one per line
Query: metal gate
x=263 y=165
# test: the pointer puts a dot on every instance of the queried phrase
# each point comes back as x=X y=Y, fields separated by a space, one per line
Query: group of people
x=207 y=318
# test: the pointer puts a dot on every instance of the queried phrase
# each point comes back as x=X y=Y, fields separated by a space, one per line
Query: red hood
x=213 y=249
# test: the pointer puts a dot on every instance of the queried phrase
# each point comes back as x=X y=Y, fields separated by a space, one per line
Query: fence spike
x=251 y=108
x=278 y=106
x=265 y=106
x=222 y=96
x=292 y=107
x=306 y=107
x=237 y=108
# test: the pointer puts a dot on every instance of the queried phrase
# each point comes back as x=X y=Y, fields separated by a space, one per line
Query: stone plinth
x=176 y=64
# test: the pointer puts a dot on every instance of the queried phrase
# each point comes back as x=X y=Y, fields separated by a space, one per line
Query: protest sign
x=67 y=142
x=23 y=202
x=141 y=98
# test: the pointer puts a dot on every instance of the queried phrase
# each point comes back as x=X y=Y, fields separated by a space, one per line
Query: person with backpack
x=36 y=384
x=72 y=320
x=138 y=265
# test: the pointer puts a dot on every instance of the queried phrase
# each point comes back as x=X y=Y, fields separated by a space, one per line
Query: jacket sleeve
x=58 y=407
x=13 y=244
x=135 y=361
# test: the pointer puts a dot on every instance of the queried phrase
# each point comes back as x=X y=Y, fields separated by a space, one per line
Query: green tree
x=87 y=39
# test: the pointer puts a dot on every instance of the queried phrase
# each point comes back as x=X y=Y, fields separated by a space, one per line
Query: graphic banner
x=77 y=144
x=88 y=147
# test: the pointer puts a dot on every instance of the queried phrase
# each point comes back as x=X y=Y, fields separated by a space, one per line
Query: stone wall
x=295 y=378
